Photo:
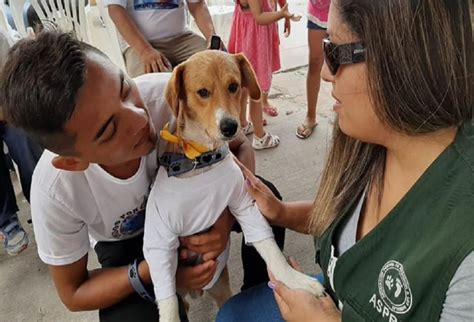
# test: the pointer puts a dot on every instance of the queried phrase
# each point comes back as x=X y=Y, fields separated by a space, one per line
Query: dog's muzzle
x=228 y=127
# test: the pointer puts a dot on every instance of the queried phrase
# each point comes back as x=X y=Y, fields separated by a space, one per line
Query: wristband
x=136 y=282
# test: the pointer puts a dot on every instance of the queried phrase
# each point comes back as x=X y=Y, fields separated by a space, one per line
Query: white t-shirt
x=156 y=19
x=180 y=207
x=69 y=207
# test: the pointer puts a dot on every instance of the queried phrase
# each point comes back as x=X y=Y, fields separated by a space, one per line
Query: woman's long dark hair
x=420 y=62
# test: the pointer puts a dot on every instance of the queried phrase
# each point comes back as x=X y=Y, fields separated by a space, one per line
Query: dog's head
x=205 y=95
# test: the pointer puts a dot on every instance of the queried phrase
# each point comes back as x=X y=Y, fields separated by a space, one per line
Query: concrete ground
x=26 y=289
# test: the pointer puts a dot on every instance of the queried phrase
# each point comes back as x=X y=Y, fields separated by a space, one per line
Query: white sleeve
x=122 y=3
x=254 y=226
x=62 y=238
x=160 y=248
x=459 y=297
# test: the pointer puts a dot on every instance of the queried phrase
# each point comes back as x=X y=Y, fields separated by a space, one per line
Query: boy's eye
x=233 y=87
x=204 y=93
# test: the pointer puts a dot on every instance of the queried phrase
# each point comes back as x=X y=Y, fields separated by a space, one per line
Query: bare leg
x=221 y=292
x=313 y=79
x=267 y=107
x=257 y=118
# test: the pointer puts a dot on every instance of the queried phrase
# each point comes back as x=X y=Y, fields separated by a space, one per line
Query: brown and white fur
x=212 y=120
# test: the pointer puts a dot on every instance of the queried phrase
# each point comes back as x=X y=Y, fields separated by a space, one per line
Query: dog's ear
x=249 y=80
x=175 y=89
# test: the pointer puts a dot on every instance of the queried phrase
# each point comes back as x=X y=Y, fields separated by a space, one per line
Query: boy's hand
x=195 y=277
x=212 y=243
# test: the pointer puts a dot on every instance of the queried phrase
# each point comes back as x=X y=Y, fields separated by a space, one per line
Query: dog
x=198 y=178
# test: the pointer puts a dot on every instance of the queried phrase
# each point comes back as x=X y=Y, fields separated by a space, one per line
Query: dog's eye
x=204 y=93
x=233 y=87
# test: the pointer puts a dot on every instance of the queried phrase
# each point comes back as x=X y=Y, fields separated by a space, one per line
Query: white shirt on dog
x=180 y=207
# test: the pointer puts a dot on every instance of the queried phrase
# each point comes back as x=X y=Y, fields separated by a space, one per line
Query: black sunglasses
x=345 y=54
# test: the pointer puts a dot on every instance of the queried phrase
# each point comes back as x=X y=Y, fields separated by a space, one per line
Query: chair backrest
x=68 y=15
x=112 y=46
x=18 y=9
x=3 y=19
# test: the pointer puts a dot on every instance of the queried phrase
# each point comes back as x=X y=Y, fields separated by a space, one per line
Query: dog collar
x=191 y=149
x=177 y=163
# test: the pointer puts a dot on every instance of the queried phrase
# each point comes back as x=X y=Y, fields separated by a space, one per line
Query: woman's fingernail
x=271 y=285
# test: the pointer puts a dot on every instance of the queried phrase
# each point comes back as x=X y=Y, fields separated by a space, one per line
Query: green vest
x=401 y=270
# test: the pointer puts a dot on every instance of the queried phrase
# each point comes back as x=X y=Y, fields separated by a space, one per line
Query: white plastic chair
x=109 y=41
x=18 y=9
x=3 y=19
x=68 y=15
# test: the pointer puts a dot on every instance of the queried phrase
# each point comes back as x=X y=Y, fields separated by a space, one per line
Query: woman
x=394 y=211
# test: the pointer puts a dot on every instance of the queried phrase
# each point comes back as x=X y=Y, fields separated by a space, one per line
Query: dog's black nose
x=228 y=127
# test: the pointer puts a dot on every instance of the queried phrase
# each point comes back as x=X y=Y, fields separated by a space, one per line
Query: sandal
x=267 y=141
x=304 y=131
x=270 y=110
x=248 y=129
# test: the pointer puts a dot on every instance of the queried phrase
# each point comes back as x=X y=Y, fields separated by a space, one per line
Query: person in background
x=154 y=33
x=317 y=21
x=25 y=154
x=254 y=32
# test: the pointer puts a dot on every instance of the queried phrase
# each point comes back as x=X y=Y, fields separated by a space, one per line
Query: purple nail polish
x=271 y=285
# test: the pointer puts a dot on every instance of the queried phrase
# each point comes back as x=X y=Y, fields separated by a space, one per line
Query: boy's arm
x=80 y=289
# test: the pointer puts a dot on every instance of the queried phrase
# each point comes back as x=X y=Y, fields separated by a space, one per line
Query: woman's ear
x=249 y=80
x=175 y=89
x=69 y=163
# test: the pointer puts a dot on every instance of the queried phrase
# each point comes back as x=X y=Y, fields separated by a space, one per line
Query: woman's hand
x=301 y=306
x=267 y=203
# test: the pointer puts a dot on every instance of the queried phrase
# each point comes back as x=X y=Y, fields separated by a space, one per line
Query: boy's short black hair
x=39 y=85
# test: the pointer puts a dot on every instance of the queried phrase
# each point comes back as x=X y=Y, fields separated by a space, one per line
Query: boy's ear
x=69 y=163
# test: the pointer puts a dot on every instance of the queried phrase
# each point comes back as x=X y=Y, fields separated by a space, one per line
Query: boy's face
x=110 y=122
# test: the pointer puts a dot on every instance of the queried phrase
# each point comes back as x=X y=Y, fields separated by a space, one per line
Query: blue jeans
x=25 y=154
x=256 y=304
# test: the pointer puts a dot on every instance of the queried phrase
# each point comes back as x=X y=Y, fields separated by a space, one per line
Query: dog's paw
x=296 y=280
x=169 y=310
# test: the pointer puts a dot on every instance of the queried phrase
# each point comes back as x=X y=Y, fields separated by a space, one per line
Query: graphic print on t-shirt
x=155 y=4
x=130 y=222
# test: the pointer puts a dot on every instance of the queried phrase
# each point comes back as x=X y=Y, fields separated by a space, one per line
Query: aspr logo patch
x=395 y=296
x=394 y=288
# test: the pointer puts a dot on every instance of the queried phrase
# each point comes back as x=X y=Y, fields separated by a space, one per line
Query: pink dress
x=318 y=12
x=260 y=44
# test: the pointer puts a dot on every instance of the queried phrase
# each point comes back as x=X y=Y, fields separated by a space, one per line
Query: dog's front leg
x=282 y=271
x=169 y=309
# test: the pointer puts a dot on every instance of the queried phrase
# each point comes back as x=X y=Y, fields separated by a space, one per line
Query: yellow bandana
x=191 y=149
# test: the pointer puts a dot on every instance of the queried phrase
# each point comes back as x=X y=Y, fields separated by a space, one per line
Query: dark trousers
x=25 y=154
x=255 y=269
x=134 y=308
